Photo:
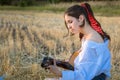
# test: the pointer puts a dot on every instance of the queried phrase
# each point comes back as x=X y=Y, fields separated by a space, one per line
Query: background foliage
x=34 y=2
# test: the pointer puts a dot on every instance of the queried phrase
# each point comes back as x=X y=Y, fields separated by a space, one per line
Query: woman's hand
x=54 y=69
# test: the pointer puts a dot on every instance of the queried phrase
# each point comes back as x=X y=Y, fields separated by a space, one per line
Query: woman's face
x=72 y=24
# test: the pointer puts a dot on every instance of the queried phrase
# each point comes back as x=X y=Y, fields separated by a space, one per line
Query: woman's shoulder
x=93 y=44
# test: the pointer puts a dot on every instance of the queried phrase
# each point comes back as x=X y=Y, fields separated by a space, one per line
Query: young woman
x=94 y=60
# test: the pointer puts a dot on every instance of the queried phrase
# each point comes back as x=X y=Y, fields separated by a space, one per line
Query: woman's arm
x=86 y=66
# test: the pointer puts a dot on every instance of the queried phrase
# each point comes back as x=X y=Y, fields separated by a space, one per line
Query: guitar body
x=72 y=58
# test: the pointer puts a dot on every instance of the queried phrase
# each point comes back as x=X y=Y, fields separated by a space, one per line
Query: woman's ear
x=81 y=18
x=81 y=21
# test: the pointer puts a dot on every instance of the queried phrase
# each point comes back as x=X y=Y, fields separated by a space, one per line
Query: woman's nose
x=69 y=26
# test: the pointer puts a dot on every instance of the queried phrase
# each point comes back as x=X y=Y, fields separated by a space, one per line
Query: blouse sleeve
x=87 y=65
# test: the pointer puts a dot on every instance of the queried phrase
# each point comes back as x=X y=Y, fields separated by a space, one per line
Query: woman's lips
x=72 y=31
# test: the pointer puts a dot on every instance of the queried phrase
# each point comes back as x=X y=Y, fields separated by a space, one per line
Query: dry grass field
x=26 y=37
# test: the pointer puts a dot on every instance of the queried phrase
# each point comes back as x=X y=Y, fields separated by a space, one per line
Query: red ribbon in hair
x=95 y=25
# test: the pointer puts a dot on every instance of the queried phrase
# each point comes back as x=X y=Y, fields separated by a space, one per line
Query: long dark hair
x=76 y=11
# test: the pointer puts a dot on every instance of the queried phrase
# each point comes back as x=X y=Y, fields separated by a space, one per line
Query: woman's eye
x=69 y=21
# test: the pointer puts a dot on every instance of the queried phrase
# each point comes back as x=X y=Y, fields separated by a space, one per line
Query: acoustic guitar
x=66 y=65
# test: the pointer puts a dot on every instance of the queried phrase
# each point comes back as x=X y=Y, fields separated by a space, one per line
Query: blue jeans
x=1 y=78
x=102 y=76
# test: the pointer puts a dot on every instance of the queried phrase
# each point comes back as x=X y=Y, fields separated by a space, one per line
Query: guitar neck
x=65 y=65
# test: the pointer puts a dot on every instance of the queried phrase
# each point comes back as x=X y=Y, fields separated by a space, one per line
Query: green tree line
x=34 y=2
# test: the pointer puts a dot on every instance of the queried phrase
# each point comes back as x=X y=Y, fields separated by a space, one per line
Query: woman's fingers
x=51 y=68
x=48 y=67
x=55 y=70
x=54 y=63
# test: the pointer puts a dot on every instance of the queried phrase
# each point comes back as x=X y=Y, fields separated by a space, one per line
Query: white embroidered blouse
x=94 y=59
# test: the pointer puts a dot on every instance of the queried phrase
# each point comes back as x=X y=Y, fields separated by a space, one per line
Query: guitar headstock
x=46 y=62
